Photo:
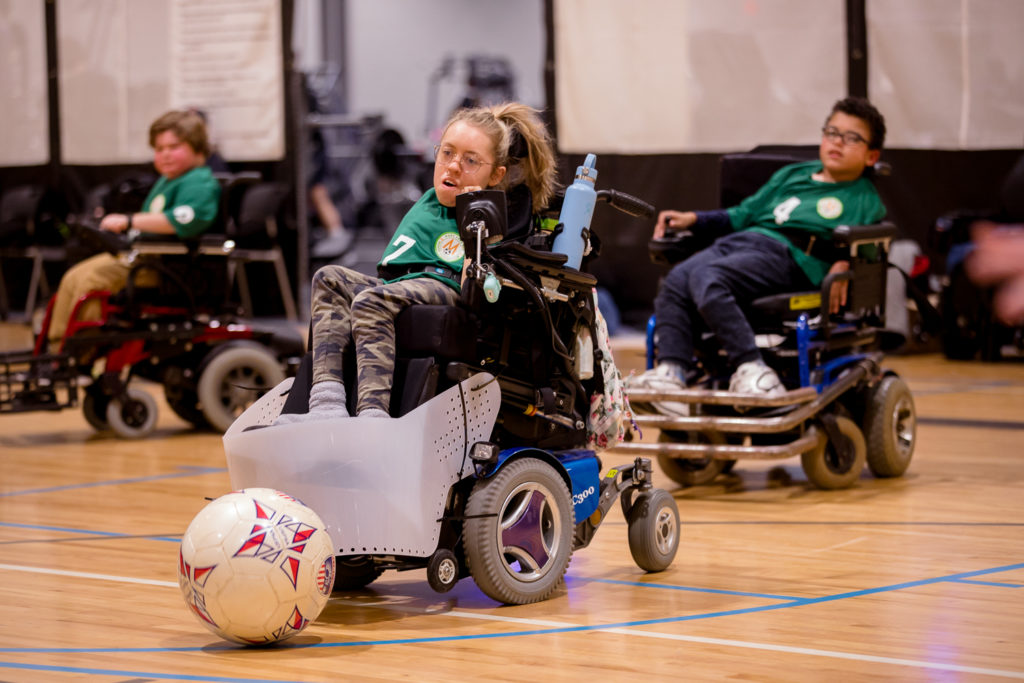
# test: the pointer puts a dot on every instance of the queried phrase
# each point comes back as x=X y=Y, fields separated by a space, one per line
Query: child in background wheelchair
x=801 y=370
x=151 y=303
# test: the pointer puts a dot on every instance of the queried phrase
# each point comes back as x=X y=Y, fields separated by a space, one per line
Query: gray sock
x=326 y=400
x=373 y=412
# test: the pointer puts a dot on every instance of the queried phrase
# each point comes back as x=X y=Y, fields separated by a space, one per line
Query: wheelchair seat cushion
x=446 y=332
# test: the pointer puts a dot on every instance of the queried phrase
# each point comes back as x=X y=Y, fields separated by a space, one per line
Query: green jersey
x=190 y=202
x=426 y=243
x=793 y=200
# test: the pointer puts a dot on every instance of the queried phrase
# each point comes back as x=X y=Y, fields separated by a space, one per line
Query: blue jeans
x=706 y=291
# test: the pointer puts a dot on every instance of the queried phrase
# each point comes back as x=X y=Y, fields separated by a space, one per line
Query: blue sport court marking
x=189 y=472
x=996 y=584
x=88 y=532
x=666 y=586
x=546 y=631
x=142 y=675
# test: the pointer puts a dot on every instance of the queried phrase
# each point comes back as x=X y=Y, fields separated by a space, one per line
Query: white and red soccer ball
x=256 y=566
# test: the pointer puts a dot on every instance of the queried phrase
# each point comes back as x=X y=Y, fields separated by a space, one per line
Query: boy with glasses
x=781 y=241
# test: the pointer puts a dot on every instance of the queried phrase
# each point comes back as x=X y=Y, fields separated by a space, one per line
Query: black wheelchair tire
x=132 y=416
x=232 y=377
x=689 y=472
x=654 y=530
x=354 y=573
x=510 y=574
x=94 y=409
x=443 y=570
x=825 y=469
x=890 y=427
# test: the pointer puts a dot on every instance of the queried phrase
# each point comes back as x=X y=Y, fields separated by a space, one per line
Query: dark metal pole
x=856 y=48
x=549 y=69
x=53 y=92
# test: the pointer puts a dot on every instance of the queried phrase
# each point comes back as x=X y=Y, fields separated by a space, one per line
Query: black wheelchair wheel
x=443 y=570
x=833 y=466
x=890 y=426
x=688 y=471
x=653 y=530
x=183 y=398
x=965 y=317
x=232 y=378
x=519 y=532
x=94 y=408
x=355 y=572
x=133 y=415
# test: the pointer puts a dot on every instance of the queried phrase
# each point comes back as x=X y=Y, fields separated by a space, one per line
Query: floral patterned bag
x=610 y=414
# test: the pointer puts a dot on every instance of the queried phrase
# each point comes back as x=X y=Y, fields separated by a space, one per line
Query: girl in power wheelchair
x=497 y=392
x=813 y=385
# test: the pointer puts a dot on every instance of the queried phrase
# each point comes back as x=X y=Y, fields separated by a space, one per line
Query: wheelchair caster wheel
x=133 y=415
x=653 y=530
x=443 y=570
x=836 y=465
x=94 y=408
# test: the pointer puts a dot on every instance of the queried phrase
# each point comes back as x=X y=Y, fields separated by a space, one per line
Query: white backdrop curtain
x=674 y=76
x=122 y=63
x=677 y=76
x=24 y=121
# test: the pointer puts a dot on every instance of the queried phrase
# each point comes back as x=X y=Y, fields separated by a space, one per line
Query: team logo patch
x=158 y=204
x=184 y=214
x=830 y=207
x=448 y=247
x=325 y=576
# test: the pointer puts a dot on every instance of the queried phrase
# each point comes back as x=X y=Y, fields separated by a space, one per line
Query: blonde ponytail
x=502 y=123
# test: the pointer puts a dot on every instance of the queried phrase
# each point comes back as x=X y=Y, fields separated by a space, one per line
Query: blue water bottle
x=577 y=209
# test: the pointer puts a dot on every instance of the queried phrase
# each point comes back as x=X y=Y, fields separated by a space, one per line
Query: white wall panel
x=24 y=118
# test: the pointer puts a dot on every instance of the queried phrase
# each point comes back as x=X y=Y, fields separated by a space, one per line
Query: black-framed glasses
x=468 y=162
x=849 y=137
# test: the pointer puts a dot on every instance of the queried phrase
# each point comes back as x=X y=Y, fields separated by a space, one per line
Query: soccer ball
x=256 y=566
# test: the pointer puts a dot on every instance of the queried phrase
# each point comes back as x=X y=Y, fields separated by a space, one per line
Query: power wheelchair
x=842 y=409
x=485 y=469
x=181 y=333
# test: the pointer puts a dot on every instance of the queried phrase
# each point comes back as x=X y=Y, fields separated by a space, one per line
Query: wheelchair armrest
x=855 y=235
x=679 y=245
x=523 y=252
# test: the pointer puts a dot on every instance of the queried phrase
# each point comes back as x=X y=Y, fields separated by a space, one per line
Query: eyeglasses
x=469 y=163
x=849 y=137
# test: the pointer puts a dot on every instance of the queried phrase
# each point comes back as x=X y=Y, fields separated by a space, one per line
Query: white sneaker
x=754 y=377
x=660 y=378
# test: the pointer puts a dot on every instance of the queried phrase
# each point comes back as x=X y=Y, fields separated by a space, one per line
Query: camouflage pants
x=348 y=306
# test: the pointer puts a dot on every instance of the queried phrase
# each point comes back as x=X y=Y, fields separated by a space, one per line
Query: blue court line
x=547 y=631
x=189 y=472
x=140 y=674
x=89 y=532
x=666 y=586
x=996 y=584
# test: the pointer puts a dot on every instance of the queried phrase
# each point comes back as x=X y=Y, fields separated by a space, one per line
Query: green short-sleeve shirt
x=190 y=202
x=793 y=200
x=428 y=236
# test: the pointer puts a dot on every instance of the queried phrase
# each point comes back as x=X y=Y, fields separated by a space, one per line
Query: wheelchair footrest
x=726 y=398
x=699 y=451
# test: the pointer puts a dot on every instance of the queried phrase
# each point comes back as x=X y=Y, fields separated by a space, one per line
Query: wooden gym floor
x=916 y=578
